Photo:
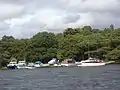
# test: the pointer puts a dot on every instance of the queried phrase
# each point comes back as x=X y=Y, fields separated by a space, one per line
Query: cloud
x=71 y=18
x=24 y=18
x=9 y=11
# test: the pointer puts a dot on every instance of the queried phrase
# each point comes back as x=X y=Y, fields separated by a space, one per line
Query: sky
x=25 y=18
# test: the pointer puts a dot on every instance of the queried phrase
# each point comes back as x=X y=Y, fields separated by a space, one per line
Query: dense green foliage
x=77 y=43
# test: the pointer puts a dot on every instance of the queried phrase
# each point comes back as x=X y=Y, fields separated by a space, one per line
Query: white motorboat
x=53 y=61
x=91 y=62
x=30 y=66
x=12 y=65
x=38 y=64
x=21 y=65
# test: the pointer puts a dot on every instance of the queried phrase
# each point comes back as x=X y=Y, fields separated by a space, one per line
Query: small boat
x=91 y=62
x=68 y=62
x=12 y=65
x=21 y=65
x=30 y=66
x=53 y=61
x=38 y=64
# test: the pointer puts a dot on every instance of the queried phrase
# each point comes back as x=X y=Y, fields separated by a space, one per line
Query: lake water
x=63 y=78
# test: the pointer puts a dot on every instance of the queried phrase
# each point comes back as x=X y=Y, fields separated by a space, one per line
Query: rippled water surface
x=63 y=78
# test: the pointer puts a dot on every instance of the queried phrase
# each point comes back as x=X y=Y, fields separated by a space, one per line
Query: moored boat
x=68 y=62
x=38 y=64
x=91 y=62
x=53 y=61
x=21 y=65
x=30 y=66
x=12 y=65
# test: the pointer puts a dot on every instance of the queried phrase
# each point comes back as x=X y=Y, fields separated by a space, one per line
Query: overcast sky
x=24 y=18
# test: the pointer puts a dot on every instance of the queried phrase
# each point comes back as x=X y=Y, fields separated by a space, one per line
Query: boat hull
x=12 y=67
x=68 y=65
x=30 y=67
x=91 y=64
x=37 y=66
x=21 y=67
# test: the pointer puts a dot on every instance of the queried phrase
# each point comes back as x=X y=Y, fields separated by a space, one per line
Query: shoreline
x=107 y=63
x=3 y=68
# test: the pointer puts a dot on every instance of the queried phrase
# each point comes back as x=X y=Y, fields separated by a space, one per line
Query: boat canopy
x=53 y=61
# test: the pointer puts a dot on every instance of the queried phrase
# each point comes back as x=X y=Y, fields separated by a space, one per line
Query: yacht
x=21 y=64
x=12 y=65
x=91 y=62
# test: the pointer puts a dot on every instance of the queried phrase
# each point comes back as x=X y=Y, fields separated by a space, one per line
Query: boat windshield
x=38 y=62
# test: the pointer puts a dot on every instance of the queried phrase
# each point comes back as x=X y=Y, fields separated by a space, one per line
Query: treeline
x=76 y=43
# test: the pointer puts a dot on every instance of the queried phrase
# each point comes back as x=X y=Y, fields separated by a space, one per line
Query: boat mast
x=88 y=50
x=25 y=59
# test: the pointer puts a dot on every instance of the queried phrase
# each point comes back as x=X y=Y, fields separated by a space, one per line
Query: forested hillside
x=76 y=43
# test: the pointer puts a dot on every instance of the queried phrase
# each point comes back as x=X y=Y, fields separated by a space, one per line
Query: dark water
x=63 y=78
